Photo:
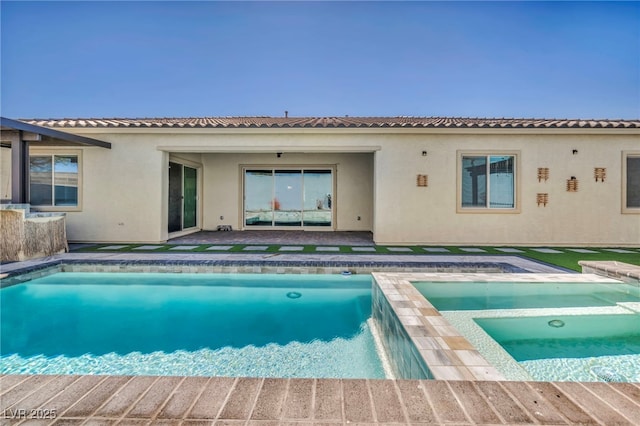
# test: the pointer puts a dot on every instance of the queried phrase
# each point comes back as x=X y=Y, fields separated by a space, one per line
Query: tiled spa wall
x=406 y=361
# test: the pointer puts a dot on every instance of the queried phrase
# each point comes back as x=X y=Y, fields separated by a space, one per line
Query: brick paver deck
x=110 y=400
x=358 y=238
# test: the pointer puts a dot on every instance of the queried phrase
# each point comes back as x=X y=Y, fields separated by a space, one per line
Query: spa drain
x=556 y=323
x=294 y=295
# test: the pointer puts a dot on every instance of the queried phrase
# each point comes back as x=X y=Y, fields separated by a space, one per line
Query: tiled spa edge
x=448 y=354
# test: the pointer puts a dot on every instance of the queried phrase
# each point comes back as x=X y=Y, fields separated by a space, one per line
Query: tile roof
x=334 y=122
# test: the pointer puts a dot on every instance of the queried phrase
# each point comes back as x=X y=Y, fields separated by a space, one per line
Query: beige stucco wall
x=592 y=216
x=125 y=188
x=121 y=193
x=5 y=174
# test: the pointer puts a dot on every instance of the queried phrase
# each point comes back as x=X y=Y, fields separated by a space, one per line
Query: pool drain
x=556 y=323
x=294 y=295
x=607 y=374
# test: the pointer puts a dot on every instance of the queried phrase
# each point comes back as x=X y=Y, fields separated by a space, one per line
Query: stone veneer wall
x=27 y=235
x=406 y=361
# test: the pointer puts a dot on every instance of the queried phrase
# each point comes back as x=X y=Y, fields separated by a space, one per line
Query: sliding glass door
x=287 y=206
x=183 y=197
x=288 y=197
x=317 y=207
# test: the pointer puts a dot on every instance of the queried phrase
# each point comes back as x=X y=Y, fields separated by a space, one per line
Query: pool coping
x=613 y=269
x=283 y=263
x=446 y=351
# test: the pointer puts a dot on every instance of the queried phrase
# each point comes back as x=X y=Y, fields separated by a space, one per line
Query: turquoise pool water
x=456 y=296
x=190 y=324
x=571 y=347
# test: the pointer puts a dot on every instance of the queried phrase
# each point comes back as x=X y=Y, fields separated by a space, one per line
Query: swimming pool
x=190 y=324
x=555 y=331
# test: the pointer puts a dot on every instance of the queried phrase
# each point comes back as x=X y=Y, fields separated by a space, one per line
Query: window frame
x=487 y=209
x=243 y=168
x=625 y=208
x=52 y=153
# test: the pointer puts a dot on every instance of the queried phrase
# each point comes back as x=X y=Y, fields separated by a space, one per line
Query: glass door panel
x=318 y=185
x=190 y=197
x=175 y=197
x=258 y=198
x=287 y=202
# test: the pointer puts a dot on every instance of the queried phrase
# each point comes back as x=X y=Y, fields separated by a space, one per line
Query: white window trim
x=625 y=209
x=488 y=210
x=50 y=152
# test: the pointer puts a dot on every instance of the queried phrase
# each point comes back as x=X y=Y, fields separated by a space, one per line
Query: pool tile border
x=264 y=266
x=446 y=352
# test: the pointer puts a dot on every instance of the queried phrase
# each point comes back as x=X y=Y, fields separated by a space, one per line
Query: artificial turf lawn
x=566 y=259
x=570 y=260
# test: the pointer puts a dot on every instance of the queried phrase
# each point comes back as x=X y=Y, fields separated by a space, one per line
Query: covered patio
x=19 y=136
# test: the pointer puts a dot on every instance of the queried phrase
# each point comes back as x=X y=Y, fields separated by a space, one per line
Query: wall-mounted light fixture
x=424 y=153
x=575 y=151
x=542 y=198
x=278 y=154
x=543 y=174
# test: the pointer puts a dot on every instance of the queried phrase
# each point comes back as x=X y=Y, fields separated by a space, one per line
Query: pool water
x=456 y=296
x=575 y=347
x=517 y=326
x=190 y=324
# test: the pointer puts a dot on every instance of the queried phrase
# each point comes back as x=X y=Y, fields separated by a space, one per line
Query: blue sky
x=463 y=59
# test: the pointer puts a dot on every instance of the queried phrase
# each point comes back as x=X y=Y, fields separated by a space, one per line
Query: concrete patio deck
x=143 y=400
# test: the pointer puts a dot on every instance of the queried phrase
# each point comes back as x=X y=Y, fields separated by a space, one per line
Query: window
x=488 y=182
x=53 y=180
x=288 y=197
x=631 y=183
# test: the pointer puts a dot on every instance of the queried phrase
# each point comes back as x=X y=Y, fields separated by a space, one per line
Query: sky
x=183 y=59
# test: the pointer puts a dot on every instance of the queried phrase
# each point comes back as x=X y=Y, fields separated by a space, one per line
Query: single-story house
x=408 y=180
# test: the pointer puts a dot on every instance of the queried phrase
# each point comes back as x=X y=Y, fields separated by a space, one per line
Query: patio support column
x=19 y=169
